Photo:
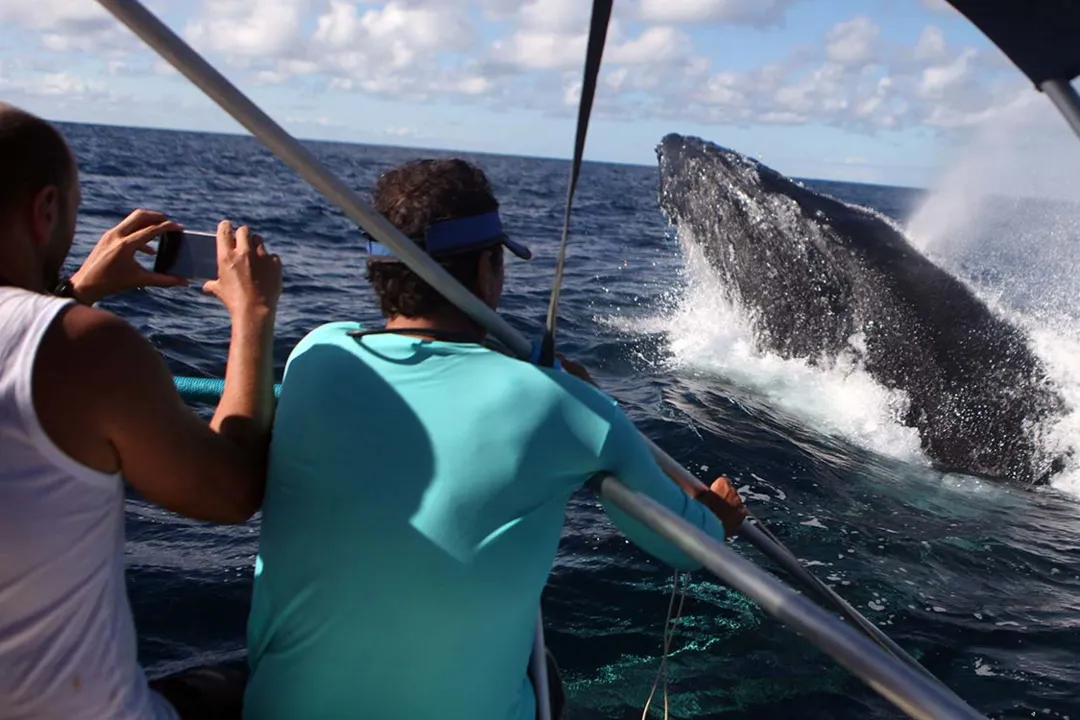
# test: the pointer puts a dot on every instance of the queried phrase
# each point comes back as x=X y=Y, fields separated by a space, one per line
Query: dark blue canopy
x=1042 y=37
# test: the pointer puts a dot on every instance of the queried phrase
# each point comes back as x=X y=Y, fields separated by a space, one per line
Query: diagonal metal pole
x=914 y=693
x=206 y=77
x=171 y=47
x=1064 y=97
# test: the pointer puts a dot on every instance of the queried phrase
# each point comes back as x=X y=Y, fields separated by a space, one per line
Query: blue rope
x=207 y=390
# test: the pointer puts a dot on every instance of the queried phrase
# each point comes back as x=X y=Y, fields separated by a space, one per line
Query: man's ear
x=486 y=274
x=44 y=213
x=483 y=271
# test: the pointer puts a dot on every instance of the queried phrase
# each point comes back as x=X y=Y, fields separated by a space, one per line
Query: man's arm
x=721 y=499
x=105 y=397
x=630 y=460
x=248 y=284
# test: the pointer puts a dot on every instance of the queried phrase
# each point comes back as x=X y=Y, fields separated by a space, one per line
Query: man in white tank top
x=84 y=400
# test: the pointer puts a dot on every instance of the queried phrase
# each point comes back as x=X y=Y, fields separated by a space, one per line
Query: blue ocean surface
x=979 y=580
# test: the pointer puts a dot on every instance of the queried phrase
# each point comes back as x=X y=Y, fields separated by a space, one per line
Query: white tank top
x=67 y=638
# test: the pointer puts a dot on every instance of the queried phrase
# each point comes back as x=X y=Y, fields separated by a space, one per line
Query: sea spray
x=1005 y=217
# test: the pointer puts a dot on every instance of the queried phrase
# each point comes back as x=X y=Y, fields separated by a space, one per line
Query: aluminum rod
x=187 y=61
x=791 y=565
x=1064 y=96
x=908 y=690
x=171 y=47
x=538 y=666
x=776 y=551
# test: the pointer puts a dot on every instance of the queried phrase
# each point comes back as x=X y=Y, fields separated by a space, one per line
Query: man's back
x=416 y=496
x=67 y=642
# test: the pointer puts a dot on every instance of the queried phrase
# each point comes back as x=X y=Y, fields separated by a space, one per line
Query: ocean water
x=979 y=580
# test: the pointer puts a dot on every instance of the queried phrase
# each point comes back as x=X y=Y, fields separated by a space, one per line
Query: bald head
x=39 y=200
x=33 y=156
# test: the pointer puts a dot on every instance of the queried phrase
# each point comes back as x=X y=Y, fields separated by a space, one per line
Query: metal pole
x=776 y=551
x=171 y=47
x=538 y=663
x=1065 y=98
x=899 y=684
x=209 y=390
x=778 y=554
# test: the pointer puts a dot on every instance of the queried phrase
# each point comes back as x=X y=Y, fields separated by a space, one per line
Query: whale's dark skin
x=812 y=272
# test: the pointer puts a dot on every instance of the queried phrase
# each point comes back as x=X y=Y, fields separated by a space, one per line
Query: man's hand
x=576 y=369
x=111 y=267
x=249 y=277
x=725 y=503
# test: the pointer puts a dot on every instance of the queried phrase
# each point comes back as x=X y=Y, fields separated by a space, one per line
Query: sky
x=880 y=91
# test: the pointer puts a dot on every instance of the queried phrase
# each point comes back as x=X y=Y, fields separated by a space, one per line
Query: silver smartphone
x=187 y=254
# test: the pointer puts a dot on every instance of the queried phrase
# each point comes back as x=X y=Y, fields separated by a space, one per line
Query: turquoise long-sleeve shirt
x=416 y=496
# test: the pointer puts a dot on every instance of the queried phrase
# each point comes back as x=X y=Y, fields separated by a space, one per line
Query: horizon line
x=546 y=158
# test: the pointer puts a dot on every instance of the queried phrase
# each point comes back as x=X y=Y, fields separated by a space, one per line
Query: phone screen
x=187 y=254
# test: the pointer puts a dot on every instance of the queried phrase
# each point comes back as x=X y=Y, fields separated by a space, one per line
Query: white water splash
x=707 y=332
x=1020 y=254
x=1005 y=217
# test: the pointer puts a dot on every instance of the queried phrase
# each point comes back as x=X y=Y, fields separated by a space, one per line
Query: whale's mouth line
x=813 y=276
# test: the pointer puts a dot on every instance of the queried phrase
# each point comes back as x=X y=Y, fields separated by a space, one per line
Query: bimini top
x=1042 y=37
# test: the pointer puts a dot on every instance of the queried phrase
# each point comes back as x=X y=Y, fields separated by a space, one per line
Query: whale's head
x=767 y=238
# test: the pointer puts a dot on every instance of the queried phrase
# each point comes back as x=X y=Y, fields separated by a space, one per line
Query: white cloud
x=938 y=6
x=557 y=16
x=758 y=13
x=64 y=86
x=54 y=14
x=572 y=93
x=940 y=79
x=394 y=48
x=248 y=27
x=852 y=42
x=70 y=25
x=855 y=81
x=537 y=50
x=931 y=44
x=655 y=45
x=658 y=62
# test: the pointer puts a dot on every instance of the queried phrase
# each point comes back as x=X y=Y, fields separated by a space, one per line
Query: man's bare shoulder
x=92 y=345
x=91 y=369
x=82 y=324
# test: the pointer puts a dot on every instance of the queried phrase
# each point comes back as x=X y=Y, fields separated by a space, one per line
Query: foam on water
x=707 y=331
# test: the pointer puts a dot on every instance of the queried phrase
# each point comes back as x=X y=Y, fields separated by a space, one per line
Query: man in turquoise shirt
x=418 y=486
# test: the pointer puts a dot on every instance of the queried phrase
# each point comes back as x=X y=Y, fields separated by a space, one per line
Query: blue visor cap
x=450 y=237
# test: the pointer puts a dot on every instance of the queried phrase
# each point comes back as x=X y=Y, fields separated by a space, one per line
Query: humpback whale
x=819 y=278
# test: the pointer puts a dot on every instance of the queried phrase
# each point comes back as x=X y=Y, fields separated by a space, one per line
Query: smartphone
x=187 y=254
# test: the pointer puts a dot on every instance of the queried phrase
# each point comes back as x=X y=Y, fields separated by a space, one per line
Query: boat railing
x=919 y=695
x=909 y=690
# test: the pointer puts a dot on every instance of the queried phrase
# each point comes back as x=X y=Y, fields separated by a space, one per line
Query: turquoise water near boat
x=979 y=580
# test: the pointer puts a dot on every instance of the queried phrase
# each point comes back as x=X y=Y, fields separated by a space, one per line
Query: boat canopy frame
x=883 y=666
x=1040 y=38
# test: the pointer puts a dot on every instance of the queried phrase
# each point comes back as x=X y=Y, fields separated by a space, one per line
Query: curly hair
x=412 y=197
